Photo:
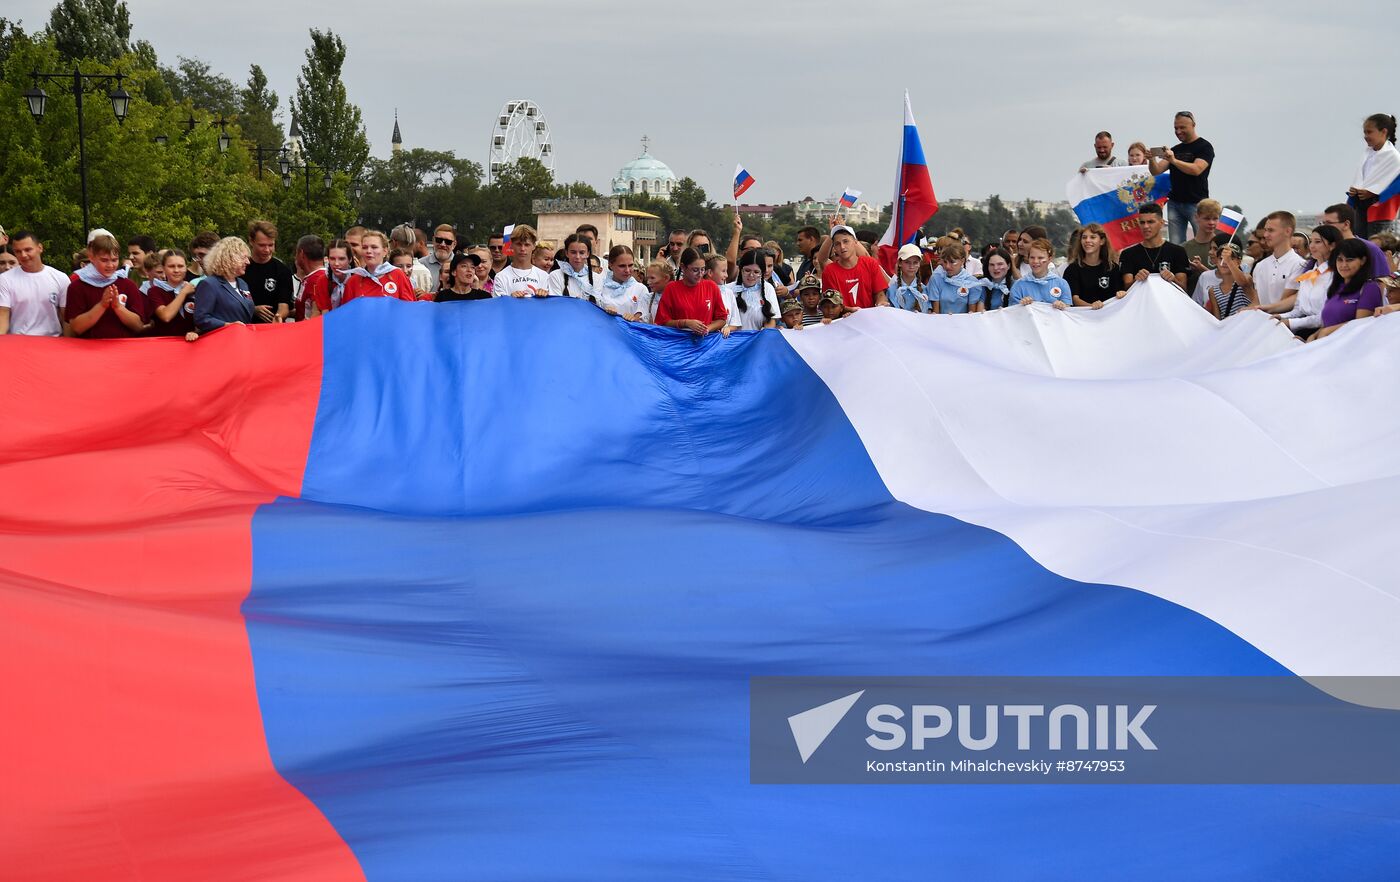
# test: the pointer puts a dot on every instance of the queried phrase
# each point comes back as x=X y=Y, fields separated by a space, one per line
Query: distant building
x=396 y=142
x=810 y=210
x=645 y=176
x=557 y=218
x=761 y=211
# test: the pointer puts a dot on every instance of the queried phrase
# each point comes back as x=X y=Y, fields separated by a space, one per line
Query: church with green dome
x=646 y=175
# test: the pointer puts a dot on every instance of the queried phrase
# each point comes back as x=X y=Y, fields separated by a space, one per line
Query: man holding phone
x=1189 y=164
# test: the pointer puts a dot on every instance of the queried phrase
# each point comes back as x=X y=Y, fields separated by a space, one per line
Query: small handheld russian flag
x=849 y=197
x=505 y=235
x=1229 y=222
x=742 y=181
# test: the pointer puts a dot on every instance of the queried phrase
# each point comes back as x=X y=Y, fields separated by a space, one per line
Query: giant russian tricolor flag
x=1380 y=174
x=427 y=602
x=1112 y=196
x=914 y=201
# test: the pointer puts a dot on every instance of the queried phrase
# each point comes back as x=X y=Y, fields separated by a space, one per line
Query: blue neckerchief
x=998 y=293
x=909 y=295
x=93 y=277
x=163 y=285
x=376 y=274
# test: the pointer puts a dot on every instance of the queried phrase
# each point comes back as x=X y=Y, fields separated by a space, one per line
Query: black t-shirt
x=1093 y=283
x=1192 y=188
x=270 y=283
x=1168 y=255
x=447 y=295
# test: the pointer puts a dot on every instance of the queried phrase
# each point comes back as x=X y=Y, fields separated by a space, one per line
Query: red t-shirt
x=701 y=302
x=82 y=297
x=316 y=289
x=857 y=284
x=392 y=284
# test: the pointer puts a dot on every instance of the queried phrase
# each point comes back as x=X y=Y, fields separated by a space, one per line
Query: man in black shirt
x=1154 y=254
x=1189 y=163
x=269 y=279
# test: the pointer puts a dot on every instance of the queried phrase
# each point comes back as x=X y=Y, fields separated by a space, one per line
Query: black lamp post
x=260 y=151
x=326 y=179
x=78 y=84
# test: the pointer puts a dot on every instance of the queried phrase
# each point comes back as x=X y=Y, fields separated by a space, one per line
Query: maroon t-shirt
x=184 y=318
x=82 y=297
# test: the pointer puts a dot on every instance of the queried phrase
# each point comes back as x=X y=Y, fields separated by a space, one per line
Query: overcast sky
x=1007 y=96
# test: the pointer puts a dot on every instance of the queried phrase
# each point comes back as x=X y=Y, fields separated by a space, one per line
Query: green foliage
x=10 y=32
x=96 y=30
x=258 y=109
x=135 y=185
x=332 y=129
x=507 y=200
x=193 y=81
x=423 y=188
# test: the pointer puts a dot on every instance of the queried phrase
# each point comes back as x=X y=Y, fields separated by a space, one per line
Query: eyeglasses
x=1187 y=114
x=495 y=248
x=441 y=241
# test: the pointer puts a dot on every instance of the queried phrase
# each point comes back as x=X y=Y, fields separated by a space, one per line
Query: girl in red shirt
x=376 y=278
x=693 y=303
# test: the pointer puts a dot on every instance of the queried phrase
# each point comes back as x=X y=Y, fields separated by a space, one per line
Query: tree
x=136 y=185
x=10 y=32
x=508 y=199
x=193 y=81
x=258 y=110
x=99 y=30
x=333 y=132
x=421 y=187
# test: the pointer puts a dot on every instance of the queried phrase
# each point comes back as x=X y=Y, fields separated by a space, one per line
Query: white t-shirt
x=578 y=285
x=752 y=318
x=629 y=298
x=35 y=300
x=974 y=265
x=1274 y=275
x=530 y=280
x=1306 y=314
x=1209 y=279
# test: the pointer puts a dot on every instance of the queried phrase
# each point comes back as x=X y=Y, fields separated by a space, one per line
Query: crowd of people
x=1312 y=281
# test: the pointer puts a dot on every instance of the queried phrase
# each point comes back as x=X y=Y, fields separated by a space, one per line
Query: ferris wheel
x=520 y=130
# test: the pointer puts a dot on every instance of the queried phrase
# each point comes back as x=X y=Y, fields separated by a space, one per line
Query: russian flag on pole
x=849 y=197
x=1112 y=196
x=1379 y=174
x=742 y=180
x=914 y=200
x=505 y=236
x=1230 y=221
x=428 y=602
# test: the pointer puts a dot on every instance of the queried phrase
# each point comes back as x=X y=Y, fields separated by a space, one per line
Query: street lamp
x=224 y=139
x=79 y=84
x=359 y=191
x=259 y=151
x=284 y=163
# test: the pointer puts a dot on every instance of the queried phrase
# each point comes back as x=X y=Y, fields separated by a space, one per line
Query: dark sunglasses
x=441 y=241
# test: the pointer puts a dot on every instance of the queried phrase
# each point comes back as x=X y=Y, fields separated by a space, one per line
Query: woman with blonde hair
x=222 y=297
